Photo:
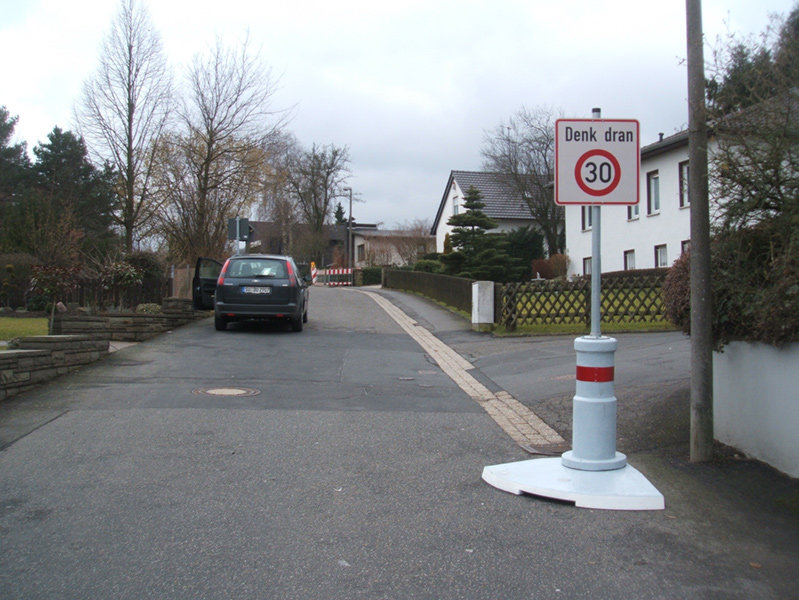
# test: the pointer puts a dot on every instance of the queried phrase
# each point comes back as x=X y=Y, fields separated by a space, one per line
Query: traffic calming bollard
x=594 y=408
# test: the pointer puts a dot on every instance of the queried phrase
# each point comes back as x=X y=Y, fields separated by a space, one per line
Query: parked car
x=252 y=286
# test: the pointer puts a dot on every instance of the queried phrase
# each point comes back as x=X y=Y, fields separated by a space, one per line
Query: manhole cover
x=226 y=391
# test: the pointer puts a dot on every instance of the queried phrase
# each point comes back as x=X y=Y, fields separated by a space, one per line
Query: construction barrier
x=336 y=277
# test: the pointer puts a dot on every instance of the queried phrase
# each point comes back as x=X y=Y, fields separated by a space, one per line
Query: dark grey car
x=252 y=286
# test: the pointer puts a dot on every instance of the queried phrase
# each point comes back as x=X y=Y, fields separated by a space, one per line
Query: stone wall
x=37 y=359
x=82 y=339
x=129 y=327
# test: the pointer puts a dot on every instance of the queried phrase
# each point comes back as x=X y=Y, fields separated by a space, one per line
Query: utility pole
x=349 y=232
x=701 y=298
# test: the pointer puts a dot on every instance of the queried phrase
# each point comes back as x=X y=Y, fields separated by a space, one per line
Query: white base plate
x=620 y=489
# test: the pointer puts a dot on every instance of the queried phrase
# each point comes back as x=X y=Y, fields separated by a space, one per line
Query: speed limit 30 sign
x=597 y=161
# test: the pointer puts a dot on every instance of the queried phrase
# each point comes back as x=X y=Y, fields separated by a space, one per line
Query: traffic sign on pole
x=597 y=161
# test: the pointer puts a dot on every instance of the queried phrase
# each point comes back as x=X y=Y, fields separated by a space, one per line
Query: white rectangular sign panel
x=597 y=161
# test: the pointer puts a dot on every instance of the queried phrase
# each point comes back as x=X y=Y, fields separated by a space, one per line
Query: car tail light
x=292 y=277
x=221 y=279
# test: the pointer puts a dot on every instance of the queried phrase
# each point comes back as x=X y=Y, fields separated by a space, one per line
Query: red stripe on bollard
x=595 y=374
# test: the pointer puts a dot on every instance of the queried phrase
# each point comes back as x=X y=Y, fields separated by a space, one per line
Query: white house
x=652 y=234
x=502 y=203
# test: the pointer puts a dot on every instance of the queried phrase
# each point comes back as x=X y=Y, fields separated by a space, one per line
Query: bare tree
x=124 y=112
x=523 y=150
x=277 y=204
x=315 y=178
x=413 y=239
x=215 y=168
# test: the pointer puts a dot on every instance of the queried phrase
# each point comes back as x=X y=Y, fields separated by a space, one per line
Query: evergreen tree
x=66 y=178
x=477 y=255
x=14 y=161
x=338 y=214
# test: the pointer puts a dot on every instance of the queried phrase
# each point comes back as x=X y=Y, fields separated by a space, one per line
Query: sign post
x=596 y=162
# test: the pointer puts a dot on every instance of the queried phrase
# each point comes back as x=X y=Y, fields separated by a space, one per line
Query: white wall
x=756 y=404
x=671 y=226
x=455 y=195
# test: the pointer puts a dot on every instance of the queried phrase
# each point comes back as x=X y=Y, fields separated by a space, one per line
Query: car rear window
x=258 y=267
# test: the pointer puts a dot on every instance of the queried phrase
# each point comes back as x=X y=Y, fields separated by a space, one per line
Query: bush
x=553 y=267
x=427 y=266
x=149 y=308
x=755 y=287
x=677 y=293
x=15 y=274
x=372 y=275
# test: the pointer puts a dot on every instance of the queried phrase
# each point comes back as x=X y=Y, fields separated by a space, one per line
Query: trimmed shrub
x=428 y=266
x=372 y=275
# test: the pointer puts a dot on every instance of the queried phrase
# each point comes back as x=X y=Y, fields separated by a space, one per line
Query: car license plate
x=255 y=290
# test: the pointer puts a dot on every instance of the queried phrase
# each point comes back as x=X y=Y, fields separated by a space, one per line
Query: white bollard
x=594 y=408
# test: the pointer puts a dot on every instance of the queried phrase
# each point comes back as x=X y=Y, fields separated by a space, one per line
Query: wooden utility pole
x=701 y=298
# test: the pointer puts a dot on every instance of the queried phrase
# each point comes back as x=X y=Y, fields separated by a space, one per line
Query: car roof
x=270 y=256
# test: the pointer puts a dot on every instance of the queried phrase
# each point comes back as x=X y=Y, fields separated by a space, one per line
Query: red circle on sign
x=578 y=169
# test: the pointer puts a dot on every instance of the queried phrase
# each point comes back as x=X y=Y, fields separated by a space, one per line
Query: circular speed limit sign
x=597 y=172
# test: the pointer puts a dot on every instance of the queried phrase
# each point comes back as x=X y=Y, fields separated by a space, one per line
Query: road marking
x=518 y=421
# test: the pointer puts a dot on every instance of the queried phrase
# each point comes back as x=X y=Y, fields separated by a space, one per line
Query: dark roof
x=665 y=144
x=501 y=200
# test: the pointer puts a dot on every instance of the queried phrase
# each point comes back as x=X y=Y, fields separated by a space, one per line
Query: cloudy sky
x=409 y=86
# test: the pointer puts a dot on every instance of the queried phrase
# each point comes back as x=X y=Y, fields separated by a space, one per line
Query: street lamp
x=349 y=231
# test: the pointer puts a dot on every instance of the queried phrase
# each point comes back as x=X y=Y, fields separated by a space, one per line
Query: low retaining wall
x=39 y=358
x=755 y=402
x=129 y=327
x=82 y=339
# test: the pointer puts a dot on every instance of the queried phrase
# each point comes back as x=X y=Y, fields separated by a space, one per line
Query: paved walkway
x=519 y=422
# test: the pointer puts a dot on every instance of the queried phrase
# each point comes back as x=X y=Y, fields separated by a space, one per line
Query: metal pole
x=350 y=257
x=596 y=259
x=701 y=305
x=238 y=234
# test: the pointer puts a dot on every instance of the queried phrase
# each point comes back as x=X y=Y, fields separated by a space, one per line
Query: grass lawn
x=14 y=327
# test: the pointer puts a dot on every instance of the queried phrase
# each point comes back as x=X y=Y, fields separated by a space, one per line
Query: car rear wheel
x=220 y=323
x=296 y=323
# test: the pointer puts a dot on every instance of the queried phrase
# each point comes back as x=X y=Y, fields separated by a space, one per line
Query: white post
x=482 y=305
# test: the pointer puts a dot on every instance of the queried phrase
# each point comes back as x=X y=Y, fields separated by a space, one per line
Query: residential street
x=343 y=462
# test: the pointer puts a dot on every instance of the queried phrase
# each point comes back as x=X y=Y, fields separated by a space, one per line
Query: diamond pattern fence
x=628 y=297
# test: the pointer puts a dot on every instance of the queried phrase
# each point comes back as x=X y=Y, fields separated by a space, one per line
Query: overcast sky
x=410 y=87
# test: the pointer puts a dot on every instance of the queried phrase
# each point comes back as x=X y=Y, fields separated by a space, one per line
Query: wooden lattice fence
x=629 y=297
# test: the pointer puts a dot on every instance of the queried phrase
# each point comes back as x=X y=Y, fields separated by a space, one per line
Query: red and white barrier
x=339 y=274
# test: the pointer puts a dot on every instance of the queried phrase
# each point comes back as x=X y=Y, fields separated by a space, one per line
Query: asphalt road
x=341 y=462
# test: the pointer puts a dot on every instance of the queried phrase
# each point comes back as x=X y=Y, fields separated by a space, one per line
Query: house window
x=632 y=212
x=629 y=260
x=361 y=248
x=685 y=200
x=661 y=259
x=652 y=193
x=455 y=207
x=586 y=217
x=685 y=246
x=587 y=266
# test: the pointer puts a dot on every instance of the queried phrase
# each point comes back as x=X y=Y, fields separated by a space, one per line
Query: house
x=652 y=234
x=502 y=203
x=383 y=247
